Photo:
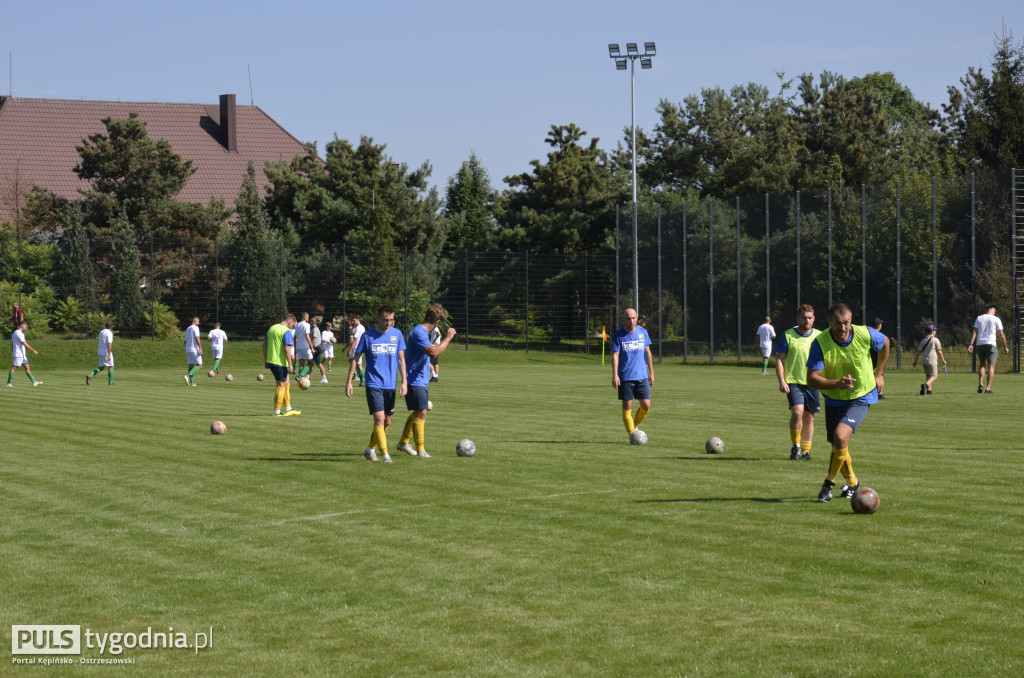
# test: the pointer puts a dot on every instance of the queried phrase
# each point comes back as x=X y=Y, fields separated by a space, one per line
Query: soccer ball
x=714 y=445
x=259 y=377
x=465 y=448
x=430 y=405
x=211 y=373
x=637 y=437
x=864 y=500
x=218 y=428
x=304 y=383
x=228 y=377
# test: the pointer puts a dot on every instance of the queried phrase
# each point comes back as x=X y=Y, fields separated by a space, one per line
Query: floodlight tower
x=631 y=55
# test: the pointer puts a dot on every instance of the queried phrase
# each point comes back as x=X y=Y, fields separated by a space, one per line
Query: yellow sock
x=373 y=438
x=640 y=414
x=278 y=398
x=847 y=467
x=835 y=463
x=627 y=419
x=407 y=431
x=287 y=395
x=794 y=435
x=382 y=438
x=805 y=445
x=419 y=433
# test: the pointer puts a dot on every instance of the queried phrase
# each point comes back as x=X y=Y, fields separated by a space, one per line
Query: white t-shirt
x=328 y=337
x=301 y=330
x=987 y=325
x=357 y=333
x=767 y=335
x=18 y=344
x=106 y=339
x=217 y=338
x=192 y=339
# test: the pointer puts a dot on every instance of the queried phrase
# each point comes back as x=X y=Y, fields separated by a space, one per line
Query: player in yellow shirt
x=791 y=368
x=839 y=363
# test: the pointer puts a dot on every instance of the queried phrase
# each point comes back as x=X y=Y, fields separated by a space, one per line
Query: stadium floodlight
x=632 y=54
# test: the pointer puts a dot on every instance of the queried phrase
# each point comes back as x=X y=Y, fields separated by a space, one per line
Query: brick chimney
x=228 y=122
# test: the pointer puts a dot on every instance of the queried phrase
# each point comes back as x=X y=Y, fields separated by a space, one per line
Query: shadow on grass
x=717 y=457
x=334 y=457
x=708 y=500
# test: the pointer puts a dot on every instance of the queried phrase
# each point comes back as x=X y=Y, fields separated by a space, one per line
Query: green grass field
x=558 y=550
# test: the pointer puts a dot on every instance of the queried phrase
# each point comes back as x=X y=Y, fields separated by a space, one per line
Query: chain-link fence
x=915 y=252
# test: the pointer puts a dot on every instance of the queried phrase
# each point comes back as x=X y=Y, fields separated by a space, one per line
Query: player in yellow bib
x=791 y=353
x=839 y=363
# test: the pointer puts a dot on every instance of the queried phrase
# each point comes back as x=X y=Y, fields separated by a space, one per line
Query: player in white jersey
x=193 y=351
x=106 y=355
x=327 y=341
x=19 y=347
x=986 y=327
x=356 y=331
x=303 y=347
x=765 y=337
x=218 y=338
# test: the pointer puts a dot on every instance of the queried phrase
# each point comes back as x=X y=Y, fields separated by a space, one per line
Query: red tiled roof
x=38 y=138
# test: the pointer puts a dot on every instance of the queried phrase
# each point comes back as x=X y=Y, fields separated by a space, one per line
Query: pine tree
x=126 y=303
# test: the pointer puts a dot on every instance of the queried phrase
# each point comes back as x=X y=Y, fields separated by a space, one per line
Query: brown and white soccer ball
x=864 y=500
x=218 y=428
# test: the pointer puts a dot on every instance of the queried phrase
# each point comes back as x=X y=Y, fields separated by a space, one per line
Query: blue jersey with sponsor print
x=816 y=361
x=417 y=363
x=381 y=351
x=632 y=348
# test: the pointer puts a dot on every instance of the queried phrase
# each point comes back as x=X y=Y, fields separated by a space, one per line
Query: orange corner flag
x=604 y=333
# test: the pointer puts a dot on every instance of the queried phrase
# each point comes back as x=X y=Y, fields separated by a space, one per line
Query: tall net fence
x=915 y=252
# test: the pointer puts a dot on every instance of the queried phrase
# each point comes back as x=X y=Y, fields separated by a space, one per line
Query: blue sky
x=438 y=80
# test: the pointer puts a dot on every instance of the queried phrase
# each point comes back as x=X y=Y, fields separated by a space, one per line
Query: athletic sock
x=30 y=377
x=834 y=464
x=805 y=446
x=794 y=435
x=764 y=366
x=287 y=396
x=407 y=431
x=192 y=372
x=382 y=438
x=627 y=419
x=419 y=433
x=278 y=398
x=216 y=365
x=110 y=376
x=94 y=373
x=847 y=467
x=640 y=414
x=10 y=377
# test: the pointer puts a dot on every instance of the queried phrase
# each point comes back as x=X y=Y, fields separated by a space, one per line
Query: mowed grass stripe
x=558 y=550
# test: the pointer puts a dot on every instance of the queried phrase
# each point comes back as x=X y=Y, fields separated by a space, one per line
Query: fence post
x=767 y=259
x=618 y=291
x=280 y=275
x=974 y=267
x=466 y=290
x=739 y=287
x=935 y=253
x=830 y=247
x=88 y=285
x=216 y=277
x=152 y=282
x=711 y=280
x=686 y=298
x=799 y=252
x=405 y=267
x=864 y=253
x=527 y=301
x=660 y=335
x=586 y=303
x=344 y=282
x=899 y=272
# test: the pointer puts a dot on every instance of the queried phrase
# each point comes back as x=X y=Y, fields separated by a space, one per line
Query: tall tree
x=253 y=287
x=469 y=206
x=564 y=206
x=126 y=303
x=986 y=118
x=142 y=177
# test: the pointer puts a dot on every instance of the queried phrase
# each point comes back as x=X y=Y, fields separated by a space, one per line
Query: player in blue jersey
x=839 y=365
x=422 y=351
x=384 y=348
x=632 y=369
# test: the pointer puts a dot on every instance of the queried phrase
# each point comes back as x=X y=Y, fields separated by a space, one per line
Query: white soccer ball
x=228 y=377
x=218 y=428
x=714 y=445
x=304 y=383
x=465 y=448
x=637 y=437
x=430 y=405
x=260 y=377
x=211 y=373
